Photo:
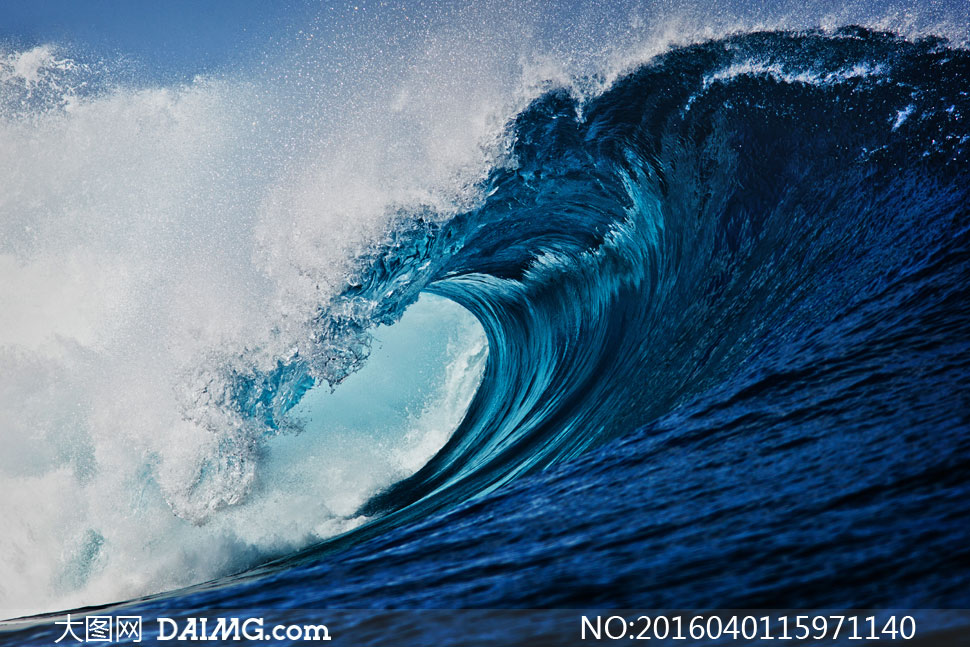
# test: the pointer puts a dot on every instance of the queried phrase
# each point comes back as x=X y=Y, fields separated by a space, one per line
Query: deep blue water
x=727 y=310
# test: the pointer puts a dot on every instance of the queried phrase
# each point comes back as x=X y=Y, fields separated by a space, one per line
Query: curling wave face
x=740 y=212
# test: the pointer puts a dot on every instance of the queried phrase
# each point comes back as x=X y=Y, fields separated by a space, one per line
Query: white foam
x=152 y=242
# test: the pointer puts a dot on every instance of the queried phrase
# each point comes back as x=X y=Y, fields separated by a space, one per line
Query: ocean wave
x=714 y=234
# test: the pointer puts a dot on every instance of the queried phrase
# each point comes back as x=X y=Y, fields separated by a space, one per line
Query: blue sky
x=164 y=38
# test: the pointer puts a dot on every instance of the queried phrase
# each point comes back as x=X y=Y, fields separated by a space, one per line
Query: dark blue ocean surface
x=726 y=303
